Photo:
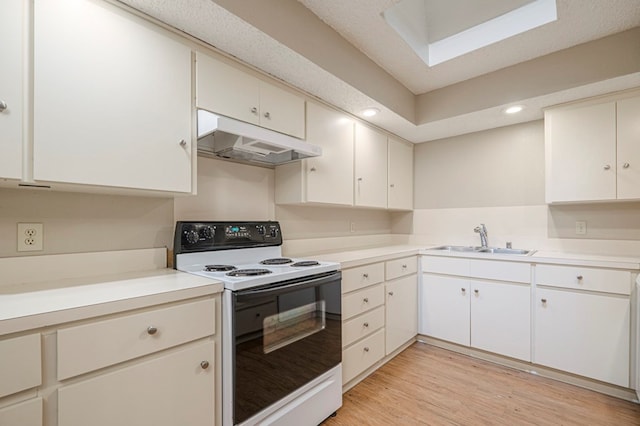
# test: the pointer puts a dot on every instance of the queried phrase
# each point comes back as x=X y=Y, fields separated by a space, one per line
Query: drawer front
x=362 y=276
x=400 y=267
x=21 y=363
x=583 y=278
x=96 y=345
x=517 y=272
x=361 y=301
x=362 y=326
x=28 y=413
x=445 y=265
x=362 y=355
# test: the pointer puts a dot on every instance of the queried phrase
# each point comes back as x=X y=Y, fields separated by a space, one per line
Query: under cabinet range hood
x=230 y=139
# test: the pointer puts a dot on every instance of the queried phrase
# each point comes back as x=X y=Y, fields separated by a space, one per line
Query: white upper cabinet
x=370 y=168
x=327 y=179
x=226 y=90
x=11 y=95
x=592 y=152
x=112 y=99
x=400 y=190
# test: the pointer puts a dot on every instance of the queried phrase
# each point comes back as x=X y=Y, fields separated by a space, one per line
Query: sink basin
x=489 y=250
x=457 y=248
x=500 y=250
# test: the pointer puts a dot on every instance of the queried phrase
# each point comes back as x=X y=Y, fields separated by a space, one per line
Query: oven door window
x=283 y=340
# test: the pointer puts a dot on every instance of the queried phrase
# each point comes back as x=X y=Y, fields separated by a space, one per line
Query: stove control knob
x=207 y=232
x=192 y=237
x=261 y=230
x=274 y=232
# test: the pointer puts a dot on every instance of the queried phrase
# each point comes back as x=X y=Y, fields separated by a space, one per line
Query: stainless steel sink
x=488 y=250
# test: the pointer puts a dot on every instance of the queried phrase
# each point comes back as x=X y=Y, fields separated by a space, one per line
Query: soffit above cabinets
x=344 y=53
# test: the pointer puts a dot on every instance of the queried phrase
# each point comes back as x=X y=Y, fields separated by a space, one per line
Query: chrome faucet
x=482 y=230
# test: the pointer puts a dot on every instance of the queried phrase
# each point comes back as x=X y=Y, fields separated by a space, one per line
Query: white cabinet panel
x=501 y=318
x=362 y=325
x=362 y=300
x=445 y=308
x=11 y=81
x=399 y=267
x=584 y=278
x=361 y=356
x=628 y=127
x=112 y=99
x=362 y=276
x=400 y=190
x=28 y=413
x=166 y=391
x=585 y=334
x=21 y=366
x=281 y=111
x=370 y=168
x=401 y=312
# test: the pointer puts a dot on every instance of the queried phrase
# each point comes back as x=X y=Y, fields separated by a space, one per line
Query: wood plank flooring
x=425 y=385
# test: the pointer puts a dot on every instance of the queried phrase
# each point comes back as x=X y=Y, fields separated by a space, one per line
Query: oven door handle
x=298 y=284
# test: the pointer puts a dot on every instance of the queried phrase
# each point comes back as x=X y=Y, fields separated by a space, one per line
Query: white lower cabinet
x=445 y=308
x=28 y=413
x=583 y=333
x=169 y=390
x=401 y=322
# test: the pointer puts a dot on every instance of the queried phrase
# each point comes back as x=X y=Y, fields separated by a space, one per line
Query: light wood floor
x=425 y=385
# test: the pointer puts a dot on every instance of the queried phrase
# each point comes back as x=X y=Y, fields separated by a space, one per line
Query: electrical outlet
x=581 y=227
x=30 y=237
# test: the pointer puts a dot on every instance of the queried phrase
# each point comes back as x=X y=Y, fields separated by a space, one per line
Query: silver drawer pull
x=204 y=365
x=365 y=300
x=476 y=291
x=543 y=300
x=267 y=115
x=3 y=106
x=464 y=290
x=366 y=324
x=390 y=293
x=365 y=275
x=366 y=348
x=607 y=167
x=152 y=330
x=404 y=266
x=625 y=165
x=183 y=143
x=254 y=110
x=579 y=277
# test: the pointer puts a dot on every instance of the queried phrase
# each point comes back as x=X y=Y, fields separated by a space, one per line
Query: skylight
x=439 y=31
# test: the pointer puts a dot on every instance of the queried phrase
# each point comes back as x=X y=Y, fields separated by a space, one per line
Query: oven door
x=284 y=336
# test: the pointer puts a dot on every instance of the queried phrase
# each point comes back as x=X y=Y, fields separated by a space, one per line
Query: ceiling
x=343 y=52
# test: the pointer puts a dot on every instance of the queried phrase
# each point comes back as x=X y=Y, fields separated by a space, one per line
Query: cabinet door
x=401 y=323
x=370 y=168
x=112 y=99
x=281 y=111
x=28 y=413
x=444 y=308
x=11 y=72
x=330 y=176
x=168 y=390
x=580 y=145
x=629 y=148
x=501 y=319
x=583 y=333
x=225 y=90
x=400 y=191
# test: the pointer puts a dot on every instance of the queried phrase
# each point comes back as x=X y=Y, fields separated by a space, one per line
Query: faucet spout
x=482 y=230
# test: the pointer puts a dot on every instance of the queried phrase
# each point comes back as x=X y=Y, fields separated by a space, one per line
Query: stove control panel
x=210 y=236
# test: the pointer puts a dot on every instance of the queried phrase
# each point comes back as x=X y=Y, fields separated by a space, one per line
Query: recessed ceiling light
x=370 y=112
x=514 y=109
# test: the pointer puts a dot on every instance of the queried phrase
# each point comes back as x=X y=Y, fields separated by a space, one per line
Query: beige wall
x=497 y=167
x=75 y=222
x=496 y=177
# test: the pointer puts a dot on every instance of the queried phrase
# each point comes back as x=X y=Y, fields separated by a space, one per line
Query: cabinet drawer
x=362 y=276
x=362 y=355
x=517 y=272
x=445 y=265
x=361 y=301
x=399 y=267
x=28 y=413
x=21 y=363
x=96 y=345
x=583 y=278
x=361 y=326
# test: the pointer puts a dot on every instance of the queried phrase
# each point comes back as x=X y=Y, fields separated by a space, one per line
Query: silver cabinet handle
x=366 y=324
x=476 y=291
x=204 y=365
x=359 y=179
x=3 y=106
x=254 y=110
x=607 y=167
x=579 y=277
x=267 y=115
x=183 y=143
x=626 y=165
x=365 y=275
x=365 y=300
x=366 y=348
x=313 y=169
x=404 y=266
x=152 y=330
x=543 y=300
x=390 y=293
x=392 y=185
x=463 y=290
